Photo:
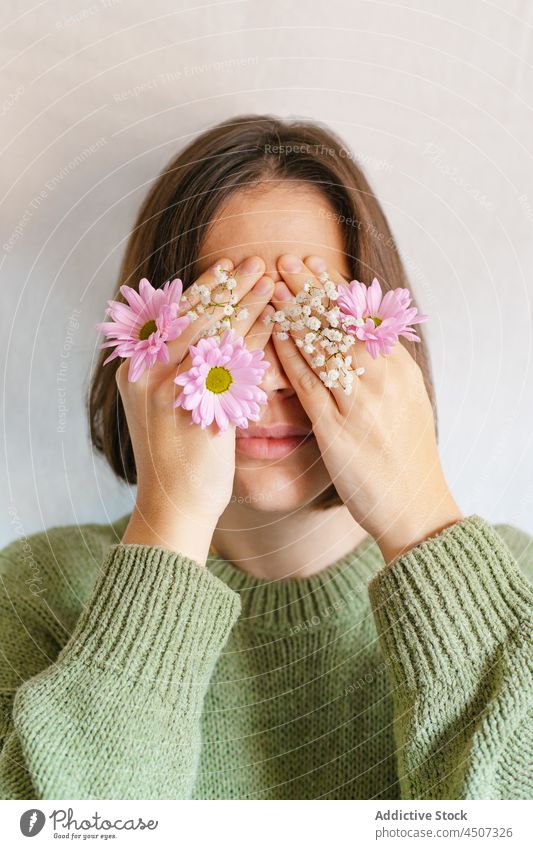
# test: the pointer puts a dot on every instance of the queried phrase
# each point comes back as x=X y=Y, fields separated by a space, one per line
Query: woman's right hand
x=185 y=474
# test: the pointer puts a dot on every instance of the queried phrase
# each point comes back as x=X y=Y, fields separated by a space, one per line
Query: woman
x=350 y=633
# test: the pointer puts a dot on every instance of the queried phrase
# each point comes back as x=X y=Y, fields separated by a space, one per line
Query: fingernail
x=266 y=314
x=224 y=263
x=264 y=285
x=251 y=265
x=316 y=263
x=282 y=292
x=291 y=263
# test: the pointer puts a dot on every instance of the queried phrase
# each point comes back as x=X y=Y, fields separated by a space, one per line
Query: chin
x=278 y=489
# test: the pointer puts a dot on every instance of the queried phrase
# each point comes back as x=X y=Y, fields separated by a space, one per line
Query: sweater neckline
x=299 y=605
x=303 y=604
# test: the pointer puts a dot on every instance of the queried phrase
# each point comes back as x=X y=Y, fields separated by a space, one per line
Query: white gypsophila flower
x=359 y=371
x=229 y=309
x=218 y=296
x=231 y=283
x=242 y=314
x=221 y=275
x=313 y=310
x=192 y=315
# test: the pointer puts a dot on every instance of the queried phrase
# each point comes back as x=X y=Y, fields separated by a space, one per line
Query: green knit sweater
x=130 y=672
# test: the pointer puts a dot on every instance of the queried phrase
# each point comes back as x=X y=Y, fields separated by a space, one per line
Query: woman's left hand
x=379 y=443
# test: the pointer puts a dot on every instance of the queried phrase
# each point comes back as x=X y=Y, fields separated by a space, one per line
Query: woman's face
x=277 y=474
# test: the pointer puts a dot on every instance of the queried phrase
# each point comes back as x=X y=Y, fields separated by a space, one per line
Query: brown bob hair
x=183 y=204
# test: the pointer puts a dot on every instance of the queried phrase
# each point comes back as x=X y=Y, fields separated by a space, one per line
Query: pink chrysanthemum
x=378 y=320
x=141 y=328
x=222 y=384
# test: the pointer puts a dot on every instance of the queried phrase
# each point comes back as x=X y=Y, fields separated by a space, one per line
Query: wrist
x=416 y=526
x=183 y=531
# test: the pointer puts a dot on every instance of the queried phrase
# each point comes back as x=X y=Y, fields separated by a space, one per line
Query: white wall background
x=435 y=98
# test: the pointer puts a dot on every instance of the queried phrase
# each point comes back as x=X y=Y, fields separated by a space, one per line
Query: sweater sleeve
x=453 y=616
x=116 y=714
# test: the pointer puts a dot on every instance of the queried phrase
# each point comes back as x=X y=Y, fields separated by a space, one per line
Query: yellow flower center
x=218 y=380
x=377 y=321
x=147 y=329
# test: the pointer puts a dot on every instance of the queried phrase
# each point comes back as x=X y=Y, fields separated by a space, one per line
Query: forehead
x=274 y=219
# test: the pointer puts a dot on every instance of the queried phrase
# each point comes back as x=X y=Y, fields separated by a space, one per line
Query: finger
x=358 y=356
x=209 y=278
x=259 y=333
x=294 y=272
x=252 y=305
x=318 y=265
x=312 y=394
x=246 y=274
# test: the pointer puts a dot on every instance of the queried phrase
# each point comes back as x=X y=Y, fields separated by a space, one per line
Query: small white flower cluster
x=221 y=295
x=314 y=314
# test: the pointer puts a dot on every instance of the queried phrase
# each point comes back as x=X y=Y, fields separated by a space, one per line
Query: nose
x=275 y=381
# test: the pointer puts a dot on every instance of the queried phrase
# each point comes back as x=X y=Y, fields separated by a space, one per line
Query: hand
x=185 y=474
x=378 y=444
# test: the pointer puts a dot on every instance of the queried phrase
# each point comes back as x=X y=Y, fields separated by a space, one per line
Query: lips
x=273 y=431
x=272 y=442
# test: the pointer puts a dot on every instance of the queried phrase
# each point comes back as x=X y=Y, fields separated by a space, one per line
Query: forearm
x=118 y=714
x=452 y=615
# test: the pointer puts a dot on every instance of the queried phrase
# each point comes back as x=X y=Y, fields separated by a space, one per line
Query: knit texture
x=130 y=672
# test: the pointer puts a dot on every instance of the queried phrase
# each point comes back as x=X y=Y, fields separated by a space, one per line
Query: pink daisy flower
x=222 y=384
x=377 y=319
x=141 y=328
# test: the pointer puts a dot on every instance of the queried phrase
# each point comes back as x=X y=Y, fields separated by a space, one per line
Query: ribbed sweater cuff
x=154 y=616
x=447 y=604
